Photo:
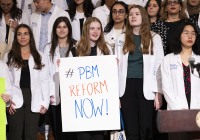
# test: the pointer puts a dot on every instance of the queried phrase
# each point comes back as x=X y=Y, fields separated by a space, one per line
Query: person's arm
x=45 y=77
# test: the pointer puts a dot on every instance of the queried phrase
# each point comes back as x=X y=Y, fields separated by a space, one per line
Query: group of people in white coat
x=31 y=73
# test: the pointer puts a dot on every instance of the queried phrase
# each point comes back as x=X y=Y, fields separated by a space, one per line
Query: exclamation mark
x=106 y=106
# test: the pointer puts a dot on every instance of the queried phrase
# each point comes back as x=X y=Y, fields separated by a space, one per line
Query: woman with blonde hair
x=140 y=53
x=92 y=43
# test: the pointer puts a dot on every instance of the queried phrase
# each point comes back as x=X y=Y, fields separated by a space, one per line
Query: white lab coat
x=4 y=73
x=3 y=46
x=36 y=23
x=99 y=52
x=54 y=73
x=110 y=39
x=173 y=83
x=136 y=2
x=151 y=67
x=96 y=3
x=39 y=85
x=29 y=7
x=61 y=3
x=102 y=13
x=76 y=32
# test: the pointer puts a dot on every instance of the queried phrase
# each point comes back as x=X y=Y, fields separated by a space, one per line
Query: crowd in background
x=156 y=43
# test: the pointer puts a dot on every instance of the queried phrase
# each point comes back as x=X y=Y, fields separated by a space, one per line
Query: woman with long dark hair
x=30 y=85
x=59 y=47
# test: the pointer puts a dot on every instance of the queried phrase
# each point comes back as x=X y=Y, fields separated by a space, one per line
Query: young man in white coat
x=42 y=21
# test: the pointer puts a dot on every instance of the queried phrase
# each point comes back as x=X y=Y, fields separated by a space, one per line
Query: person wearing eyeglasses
x=172 y=15
x=116 y=24
x=180 y=84
x=10 y=17
x=103 y=12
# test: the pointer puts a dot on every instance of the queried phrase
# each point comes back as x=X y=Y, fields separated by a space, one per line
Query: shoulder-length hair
x=88 y=8
x=54 y=36
x=110 y=24
x=15 y=12
x=164 y=13
x=146 y=37
x=14 y=56
x=175 y=43
x=83 y=47
x=159 y=5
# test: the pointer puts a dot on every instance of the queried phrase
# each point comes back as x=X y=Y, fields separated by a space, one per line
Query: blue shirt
x=44 y=28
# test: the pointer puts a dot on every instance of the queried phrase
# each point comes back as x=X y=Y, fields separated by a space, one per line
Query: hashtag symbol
x=69 y=73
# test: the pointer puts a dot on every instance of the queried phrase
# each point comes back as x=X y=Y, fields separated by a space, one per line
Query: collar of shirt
x=50 y=11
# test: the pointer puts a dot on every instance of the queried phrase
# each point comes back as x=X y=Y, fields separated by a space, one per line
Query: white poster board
x=89 y=93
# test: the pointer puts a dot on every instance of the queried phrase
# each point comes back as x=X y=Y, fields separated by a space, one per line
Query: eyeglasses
x=189 y=34
x=120 y=12
x=173 y=2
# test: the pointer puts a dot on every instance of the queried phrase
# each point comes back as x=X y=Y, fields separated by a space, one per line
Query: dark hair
x=175 y=43
x=54 y=42
x=159 y=2
x=88 y=8
x=14 y=56
x=110 y=24
x=15 y=12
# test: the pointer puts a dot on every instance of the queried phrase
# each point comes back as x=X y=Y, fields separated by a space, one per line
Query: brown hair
x=164 y=13
x=14 y=56
x=146 y=37
x=83 y=47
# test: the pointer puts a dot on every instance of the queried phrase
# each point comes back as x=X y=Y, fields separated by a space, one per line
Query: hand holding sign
x=89 y=94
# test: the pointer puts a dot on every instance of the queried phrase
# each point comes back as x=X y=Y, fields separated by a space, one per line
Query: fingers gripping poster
x=89 y=93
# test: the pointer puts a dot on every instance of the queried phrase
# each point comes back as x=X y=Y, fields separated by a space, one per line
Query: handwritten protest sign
x=89 y=93
x=2 y=111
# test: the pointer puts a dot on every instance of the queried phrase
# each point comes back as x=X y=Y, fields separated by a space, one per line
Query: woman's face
x=23 y=37
x=188 y=36
x=194 y=3
x=94 y=31
x=6 y=6
x=78 y=2
x=118 y=13
x=173 y=7
x=153 y=8
x=135 y=18
x=62 y=30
